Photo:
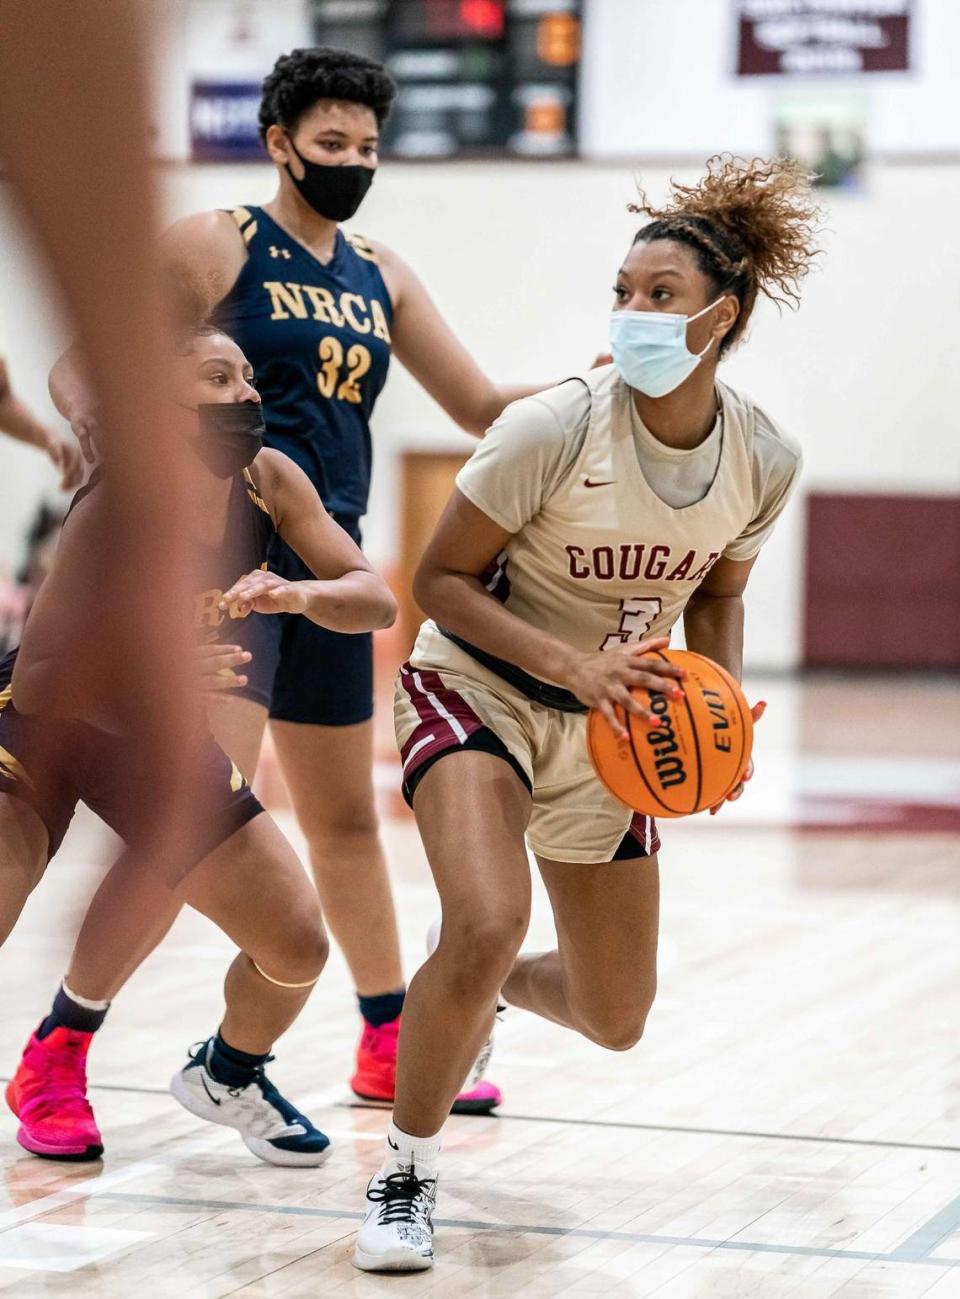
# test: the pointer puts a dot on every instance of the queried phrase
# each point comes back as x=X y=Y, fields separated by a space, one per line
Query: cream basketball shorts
x=446 y=702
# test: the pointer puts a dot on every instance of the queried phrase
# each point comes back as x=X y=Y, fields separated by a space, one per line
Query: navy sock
x=231 y=1067
x=67 y=1013
x=382 y=1008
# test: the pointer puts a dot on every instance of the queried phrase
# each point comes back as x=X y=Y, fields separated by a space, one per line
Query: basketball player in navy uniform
x=239 y=871
x=319 y=313
x=589 y=520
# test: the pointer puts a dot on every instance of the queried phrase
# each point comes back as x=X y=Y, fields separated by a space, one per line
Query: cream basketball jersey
x=605 y=562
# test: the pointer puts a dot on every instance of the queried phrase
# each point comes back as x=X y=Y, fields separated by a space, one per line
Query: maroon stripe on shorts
x=435 y=733
x=644 y=830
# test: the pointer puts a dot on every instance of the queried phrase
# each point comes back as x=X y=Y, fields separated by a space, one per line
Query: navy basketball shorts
x=258 y=634
x=320 y=677
x=53 y=765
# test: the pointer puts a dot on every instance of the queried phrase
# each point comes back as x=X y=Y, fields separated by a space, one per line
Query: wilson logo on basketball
x=691 y=756
x=668 y=766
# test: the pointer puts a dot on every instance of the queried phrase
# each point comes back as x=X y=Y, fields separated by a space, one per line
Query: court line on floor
x=536 y=1229
x=933 y=1233
x=704 y=1132
x=625 y=1124
x=98 y=1184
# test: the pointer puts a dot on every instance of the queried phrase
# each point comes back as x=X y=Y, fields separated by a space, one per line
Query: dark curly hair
x=751 y=225
x=302 y=77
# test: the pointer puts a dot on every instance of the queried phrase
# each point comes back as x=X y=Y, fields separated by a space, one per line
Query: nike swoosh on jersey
x=609 y=482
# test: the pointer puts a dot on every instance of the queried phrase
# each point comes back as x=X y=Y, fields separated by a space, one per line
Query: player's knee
x=617 y=1028
x=482 y=947
x=298 y=953
x=616 y=1034
x=349 y=818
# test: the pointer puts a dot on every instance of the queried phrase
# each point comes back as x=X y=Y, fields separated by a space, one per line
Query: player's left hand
x=756 y=712
x=260 y=592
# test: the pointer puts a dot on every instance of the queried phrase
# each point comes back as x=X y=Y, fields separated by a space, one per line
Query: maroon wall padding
x=882 y=582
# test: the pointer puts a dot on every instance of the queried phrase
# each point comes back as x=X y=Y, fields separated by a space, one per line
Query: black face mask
x=231 y=434
x=334 y=192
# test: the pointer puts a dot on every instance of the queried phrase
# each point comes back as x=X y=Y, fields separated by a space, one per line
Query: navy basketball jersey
x=318 y=338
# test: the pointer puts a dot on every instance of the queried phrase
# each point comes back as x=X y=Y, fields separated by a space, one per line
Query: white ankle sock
x=85 y=1002
x=422 y=1152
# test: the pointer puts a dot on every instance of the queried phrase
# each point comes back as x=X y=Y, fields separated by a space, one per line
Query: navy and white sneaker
x=270 y=1126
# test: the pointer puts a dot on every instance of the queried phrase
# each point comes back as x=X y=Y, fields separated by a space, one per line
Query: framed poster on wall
x=815 y=37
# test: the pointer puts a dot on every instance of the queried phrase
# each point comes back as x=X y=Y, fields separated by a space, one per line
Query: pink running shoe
x=48 y=1094
x=375 y=1078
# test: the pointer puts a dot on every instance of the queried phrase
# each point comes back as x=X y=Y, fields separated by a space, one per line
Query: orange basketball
x=695 y=756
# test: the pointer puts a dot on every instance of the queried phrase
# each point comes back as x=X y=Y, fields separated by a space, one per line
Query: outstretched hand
x=261 y=592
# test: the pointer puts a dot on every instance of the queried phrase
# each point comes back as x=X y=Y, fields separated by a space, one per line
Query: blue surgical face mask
x=650 y=349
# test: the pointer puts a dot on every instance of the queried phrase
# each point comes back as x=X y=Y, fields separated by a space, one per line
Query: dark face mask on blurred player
x=332 y=191
x=231 y=434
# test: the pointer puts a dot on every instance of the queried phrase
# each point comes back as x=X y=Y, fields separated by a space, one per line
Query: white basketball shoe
x=397 y=1233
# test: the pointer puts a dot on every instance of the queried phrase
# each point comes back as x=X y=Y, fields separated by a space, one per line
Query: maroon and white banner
x=811 y=37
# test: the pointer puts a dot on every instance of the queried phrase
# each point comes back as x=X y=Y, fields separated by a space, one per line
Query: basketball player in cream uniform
x=589 y=519
x=612 y=532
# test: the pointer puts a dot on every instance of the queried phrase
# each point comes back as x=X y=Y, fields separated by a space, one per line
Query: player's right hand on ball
x=605 y=679
x=216 y=663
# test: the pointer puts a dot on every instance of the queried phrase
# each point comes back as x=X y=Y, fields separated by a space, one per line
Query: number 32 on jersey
x=339 y=376
x=637 y=616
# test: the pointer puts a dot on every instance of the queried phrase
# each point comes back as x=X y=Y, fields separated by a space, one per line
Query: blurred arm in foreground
x=18 y=421
x=117 y=656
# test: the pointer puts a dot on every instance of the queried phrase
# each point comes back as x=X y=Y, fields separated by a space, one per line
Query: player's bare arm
x=713 y=618
x=20 y=423
x=448 y=587
x=347 y=595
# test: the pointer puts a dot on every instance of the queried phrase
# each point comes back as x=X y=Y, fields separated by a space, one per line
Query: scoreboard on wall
x=477 y=77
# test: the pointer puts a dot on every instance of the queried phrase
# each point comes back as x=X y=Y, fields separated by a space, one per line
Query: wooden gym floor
x=790 y=1125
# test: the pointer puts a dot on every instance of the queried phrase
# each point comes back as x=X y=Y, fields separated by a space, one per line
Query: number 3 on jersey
x=329 y=379
x=636 y=618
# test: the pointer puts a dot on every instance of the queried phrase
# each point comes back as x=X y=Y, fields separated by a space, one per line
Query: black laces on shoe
x=399 y=1194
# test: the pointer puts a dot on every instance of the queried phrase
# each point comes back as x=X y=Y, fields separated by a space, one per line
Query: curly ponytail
x=752 y=226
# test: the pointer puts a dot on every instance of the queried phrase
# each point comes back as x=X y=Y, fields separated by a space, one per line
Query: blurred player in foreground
x=233 y=864
x=588 y=521
x=92 y=211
